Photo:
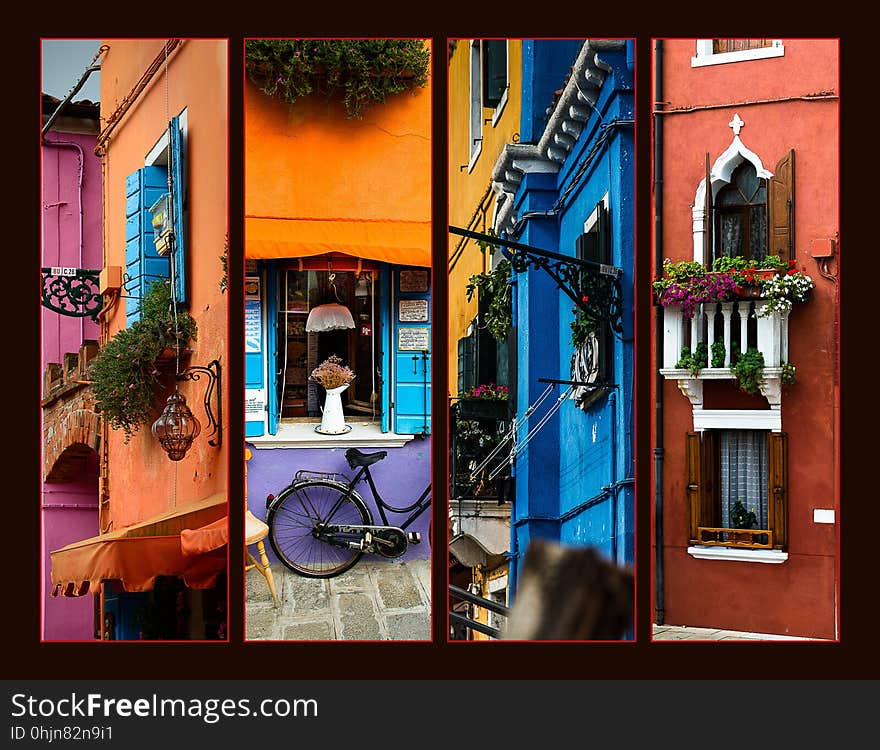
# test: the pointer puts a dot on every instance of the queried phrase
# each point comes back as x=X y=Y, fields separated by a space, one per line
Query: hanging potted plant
x=126 y=374
x=335 y=377
x=484 y=402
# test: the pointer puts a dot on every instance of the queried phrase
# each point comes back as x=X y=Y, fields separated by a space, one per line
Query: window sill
x=719 y=58
x=303 y=435
x=738 y=555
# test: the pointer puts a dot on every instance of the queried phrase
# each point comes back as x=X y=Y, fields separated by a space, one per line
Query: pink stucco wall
x=69 y=510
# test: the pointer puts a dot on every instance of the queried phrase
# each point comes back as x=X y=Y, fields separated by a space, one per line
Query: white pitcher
x=333 y=420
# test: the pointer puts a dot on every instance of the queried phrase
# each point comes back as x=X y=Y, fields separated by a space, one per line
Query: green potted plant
x=493 y=288
x=741 y=517
x=694 y=361
x=126 y=374
x=484 y=402
x=749 y=369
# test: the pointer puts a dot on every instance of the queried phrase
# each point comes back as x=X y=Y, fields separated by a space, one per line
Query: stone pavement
x=375 y=601
x=684 y=633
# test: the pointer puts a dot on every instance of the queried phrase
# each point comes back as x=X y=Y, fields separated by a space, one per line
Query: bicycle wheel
x=295 y=517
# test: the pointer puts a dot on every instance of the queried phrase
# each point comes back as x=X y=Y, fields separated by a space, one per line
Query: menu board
x=412 y=310
x=413 y=339
x=414 y=280
x=254 y=403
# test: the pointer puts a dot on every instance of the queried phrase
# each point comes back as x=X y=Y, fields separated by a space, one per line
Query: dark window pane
x=730 y=237
x=757 y=232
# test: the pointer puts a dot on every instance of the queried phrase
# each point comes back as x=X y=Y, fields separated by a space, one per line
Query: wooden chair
x=255 y=531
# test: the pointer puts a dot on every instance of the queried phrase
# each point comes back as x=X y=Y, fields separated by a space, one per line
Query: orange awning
x=206 y=538
x=138 y=554
x=401 y=242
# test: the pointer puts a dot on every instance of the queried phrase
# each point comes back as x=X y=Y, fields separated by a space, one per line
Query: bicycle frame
x=417 y=508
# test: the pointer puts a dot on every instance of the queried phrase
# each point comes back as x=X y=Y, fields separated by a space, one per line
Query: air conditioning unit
x=163 y=231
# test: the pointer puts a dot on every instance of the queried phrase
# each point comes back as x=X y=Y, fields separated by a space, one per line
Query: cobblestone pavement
x=684 y=633
x=373 y=601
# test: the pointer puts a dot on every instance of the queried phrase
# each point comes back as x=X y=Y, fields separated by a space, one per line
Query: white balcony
x=728 y=322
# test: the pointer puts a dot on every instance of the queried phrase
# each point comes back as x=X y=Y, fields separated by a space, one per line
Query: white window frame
x=475 y=127
x=705 y=56
x=158 y=155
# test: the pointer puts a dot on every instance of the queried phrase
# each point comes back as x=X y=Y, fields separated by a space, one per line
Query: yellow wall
x=470 y=192
x=141 y=477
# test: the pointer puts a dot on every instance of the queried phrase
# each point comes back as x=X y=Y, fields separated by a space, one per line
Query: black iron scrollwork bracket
x=74 y=292
x=213 y=371
x=593 y=287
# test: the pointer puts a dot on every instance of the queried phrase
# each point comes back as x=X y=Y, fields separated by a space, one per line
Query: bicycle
x=319 y=526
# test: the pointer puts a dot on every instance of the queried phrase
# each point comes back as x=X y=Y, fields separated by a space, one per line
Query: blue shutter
x=254 y=356
x=271 y=302
x=143 y=265
x=387 y=330
x=178 y=181
x=412 y=370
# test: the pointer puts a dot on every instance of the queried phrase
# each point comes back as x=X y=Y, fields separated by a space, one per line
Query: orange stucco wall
x=797 y=597
x=142 y=478
x=307 y=161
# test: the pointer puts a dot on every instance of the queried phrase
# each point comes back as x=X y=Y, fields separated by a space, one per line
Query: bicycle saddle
x=357 y=459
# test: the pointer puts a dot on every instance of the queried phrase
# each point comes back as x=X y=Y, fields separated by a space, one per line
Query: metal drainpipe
x=612 y=403
x=659 y=613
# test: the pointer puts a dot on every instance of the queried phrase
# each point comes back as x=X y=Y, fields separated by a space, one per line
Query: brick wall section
x=71 y=426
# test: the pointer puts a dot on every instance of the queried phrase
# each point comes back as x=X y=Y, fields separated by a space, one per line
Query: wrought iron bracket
x=213 y=372
x=593 y=287
x=74 y=292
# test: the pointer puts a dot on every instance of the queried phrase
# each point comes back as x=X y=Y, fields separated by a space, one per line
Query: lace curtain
x=743 y=474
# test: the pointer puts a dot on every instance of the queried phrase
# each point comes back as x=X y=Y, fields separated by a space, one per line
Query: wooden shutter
x=777 y=487
x=693 y=481
x=780 y=209
x=709 y=500
x=178 y=181
x=494 y=71
x=143 y=265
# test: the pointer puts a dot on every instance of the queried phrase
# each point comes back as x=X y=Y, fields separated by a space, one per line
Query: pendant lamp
x=332 y=316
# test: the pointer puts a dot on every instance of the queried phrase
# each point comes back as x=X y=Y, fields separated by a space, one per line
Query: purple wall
x=61 y=230
x=400 y=478
x=63 y=205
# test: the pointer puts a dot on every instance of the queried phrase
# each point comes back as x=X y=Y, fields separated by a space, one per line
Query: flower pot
x=332 y=419
x=747 y=292
x=482 y=408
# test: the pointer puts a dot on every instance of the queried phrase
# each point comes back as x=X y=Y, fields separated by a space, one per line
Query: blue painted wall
x=574 y=479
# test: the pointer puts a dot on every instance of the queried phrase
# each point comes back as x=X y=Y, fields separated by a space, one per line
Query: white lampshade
x=329 y=317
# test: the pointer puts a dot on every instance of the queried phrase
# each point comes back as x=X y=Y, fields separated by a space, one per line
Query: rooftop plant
x=363 y=71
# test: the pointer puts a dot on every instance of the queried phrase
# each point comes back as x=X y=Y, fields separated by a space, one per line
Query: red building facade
x=745 y=485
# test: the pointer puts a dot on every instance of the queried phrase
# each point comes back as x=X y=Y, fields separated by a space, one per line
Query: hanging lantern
x=363 y=287
x=176 y=427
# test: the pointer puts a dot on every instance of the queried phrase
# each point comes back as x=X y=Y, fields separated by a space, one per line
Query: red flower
x=585 y=298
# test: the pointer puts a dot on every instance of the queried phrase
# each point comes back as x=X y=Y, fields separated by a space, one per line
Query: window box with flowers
x=484 y=402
